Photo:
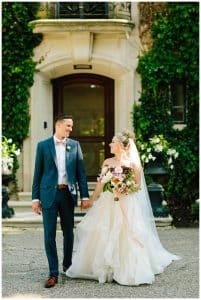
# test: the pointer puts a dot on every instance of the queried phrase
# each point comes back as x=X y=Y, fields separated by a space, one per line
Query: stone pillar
x=41 y=125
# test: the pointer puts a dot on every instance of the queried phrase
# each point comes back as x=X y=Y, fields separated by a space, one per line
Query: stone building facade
x=86 y=67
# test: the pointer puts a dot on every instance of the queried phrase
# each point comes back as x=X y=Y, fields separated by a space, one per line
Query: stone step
x=30 y=220
x=22 y=206
x=27 y=195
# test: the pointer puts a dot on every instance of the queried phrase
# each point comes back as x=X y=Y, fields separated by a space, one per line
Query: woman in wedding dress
x=118 y=240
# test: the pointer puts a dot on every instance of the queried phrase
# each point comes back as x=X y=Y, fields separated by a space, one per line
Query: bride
x=117 y=238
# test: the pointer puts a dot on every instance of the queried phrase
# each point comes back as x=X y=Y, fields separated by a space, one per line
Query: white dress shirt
x=61 y=160
x=61 y=163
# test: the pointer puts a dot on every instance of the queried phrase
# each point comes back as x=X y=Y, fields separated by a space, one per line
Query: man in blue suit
x=58 y=168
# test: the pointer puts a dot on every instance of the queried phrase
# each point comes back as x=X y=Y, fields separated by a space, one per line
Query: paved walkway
x=25 y=269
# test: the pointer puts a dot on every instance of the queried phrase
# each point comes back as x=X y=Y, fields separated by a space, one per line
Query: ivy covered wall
x=173 y=57
x=18 y=42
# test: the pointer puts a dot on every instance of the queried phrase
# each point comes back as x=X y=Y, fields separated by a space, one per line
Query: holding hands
x=86 y=204
x=36 y=206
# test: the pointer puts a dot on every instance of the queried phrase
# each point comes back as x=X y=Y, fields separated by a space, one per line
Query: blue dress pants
x=64 y=207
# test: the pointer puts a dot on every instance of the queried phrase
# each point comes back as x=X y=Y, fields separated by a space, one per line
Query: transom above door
x=89 y=98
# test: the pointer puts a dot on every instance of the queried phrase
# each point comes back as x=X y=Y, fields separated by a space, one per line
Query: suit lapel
x=53 y=151
x=67 y=154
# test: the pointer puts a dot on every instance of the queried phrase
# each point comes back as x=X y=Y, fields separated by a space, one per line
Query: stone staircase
x=24 y=217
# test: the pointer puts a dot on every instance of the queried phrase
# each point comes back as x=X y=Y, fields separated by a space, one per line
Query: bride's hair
x=124 y=138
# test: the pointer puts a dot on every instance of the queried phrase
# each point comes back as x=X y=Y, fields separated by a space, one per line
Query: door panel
x=89 y=98
x=86 y=103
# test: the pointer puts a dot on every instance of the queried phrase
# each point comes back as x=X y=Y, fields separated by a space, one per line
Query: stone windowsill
x=92 y=25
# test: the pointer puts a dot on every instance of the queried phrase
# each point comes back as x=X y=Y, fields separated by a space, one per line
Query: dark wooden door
x=89 y=98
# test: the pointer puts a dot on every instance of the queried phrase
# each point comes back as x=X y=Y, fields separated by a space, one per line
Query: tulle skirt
x=113 y=242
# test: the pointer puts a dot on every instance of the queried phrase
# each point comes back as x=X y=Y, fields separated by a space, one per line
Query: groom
x=58 y=167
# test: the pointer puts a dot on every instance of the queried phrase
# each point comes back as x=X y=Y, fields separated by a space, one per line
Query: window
x=82 y=10
x=178 y=99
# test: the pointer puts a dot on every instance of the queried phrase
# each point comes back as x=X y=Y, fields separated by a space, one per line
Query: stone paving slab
x=24 y=269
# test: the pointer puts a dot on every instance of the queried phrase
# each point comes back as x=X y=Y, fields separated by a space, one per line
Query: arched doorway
x=90 y=99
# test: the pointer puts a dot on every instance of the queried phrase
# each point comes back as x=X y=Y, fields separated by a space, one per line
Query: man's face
x=64 y=127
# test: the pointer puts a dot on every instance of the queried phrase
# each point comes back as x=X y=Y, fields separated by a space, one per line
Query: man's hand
x=85 y=204
x=36 y=207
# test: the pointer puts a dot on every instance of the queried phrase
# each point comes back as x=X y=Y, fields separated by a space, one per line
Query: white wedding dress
x=113 y=242
x=118 y=240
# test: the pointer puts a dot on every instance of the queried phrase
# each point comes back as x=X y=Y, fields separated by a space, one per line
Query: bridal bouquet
x=119 y=180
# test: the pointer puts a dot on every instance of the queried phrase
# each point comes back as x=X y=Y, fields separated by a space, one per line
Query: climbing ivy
x=173 y=57
x=18 y=42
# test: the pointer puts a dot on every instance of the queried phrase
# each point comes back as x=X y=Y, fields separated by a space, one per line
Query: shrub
x=173 y=56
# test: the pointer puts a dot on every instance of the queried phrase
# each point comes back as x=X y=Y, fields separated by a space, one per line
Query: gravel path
x=24 y=269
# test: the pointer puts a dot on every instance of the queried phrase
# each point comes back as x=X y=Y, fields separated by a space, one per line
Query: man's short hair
x=62 y=117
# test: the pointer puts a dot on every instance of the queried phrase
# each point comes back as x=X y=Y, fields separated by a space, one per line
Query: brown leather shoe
x=52 y=280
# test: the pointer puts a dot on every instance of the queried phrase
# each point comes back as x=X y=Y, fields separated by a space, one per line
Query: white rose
x=171 y=167
x=118 y=170
x=150 y=156
x=106 y=177
x=10 y=141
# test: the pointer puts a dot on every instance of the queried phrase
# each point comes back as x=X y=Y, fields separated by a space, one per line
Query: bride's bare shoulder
x=135 y=165
x=108 y=161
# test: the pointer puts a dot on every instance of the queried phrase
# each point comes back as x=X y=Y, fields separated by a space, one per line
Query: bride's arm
x=96 y=192
x=98 y=187
x=137 y=170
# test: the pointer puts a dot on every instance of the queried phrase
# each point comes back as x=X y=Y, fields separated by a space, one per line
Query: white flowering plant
x=157 y=147
x=9 y=152
x=9 y=149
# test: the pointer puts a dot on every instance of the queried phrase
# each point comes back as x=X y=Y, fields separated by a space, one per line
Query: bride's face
x=115 y=146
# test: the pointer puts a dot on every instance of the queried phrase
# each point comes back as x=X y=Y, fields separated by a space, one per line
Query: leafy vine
x=173 y=57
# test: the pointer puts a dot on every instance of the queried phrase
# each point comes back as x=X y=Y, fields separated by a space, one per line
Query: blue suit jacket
x=46 y=174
